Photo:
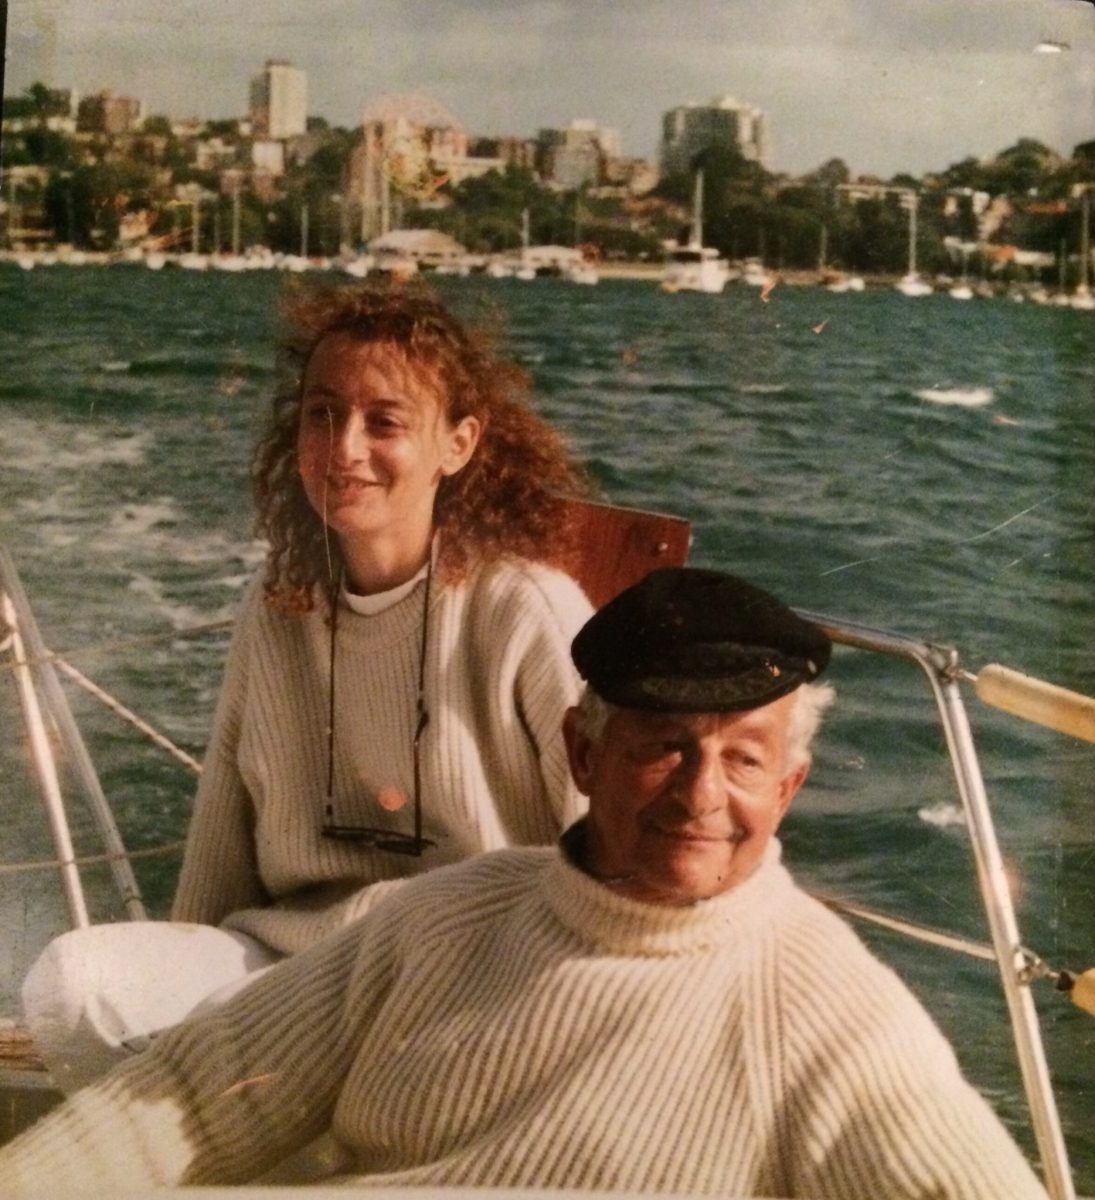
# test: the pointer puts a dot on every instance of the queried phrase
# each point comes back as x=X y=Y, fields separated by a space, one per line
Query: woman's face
x=374 y=442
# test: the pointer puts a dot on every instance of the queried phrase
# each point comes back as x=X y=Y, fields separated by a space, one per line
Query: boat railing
x=42 y=698
x=1017 y=966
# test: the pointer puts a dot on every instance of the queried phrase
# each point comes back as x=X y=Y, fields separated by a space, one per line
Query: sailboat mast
x=697 y=209
x=236 y=220
x=914 y=201
x=1085 y=237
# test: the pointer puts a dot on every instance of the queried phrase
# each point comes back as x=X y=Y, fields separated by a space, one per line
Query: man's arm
x=224 y=1097
x=878 y=1103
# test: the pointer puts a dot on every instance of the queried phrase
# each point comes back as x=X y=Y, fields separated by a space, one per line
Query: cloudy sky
x=887 y=85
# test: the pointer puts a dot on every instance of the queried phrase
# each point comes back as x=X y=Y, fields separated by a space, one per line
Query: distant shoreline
x=643 y=272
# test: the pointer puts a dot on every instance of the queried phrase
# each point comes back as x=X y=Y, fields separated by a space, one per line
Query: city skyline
x=887 y=88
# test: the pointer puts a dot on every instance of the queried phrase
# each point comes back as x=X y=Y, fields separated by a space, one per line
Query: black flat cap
x=685 y=639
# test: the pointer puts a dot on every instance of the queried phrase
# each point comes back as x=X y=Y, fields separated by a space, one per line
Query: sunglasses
x=391 y=840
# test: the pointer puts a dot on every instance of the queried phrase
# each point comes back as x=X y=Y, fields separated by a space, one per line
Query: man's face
x=682 y=806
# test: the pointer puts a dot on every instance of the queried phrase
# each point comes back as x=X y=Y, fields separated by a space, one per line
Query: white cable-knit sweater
x=494 y=771
x=509 y=1022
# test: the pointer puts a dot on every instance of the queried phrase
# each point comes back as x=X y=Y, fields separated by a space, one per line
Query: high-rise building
x=692 y=128
x=279 y=100
x=576 y=155
x=108 y=113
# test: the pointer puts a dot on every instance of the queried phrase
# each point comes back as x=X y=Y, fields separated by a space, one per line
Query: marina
x=918 y=467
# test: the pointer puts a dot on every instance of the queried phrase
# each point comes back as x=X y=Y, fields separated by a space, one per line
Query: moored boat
x=691 y=266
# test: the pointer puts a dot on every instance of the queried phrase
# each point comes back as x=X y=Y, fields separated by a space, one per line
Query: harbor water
x=922 y=465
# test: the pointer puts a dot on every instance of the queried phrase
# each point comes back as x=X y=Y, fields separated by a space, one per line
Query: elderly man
x=653 y=1007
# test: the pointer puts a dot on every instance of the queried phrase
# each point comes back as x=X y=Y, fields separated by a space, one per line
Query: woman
x=395 y=686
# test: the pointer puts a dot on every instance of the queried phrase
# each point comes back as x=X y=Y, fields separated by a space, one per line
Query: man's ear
x=790 y=784
x=581 y=751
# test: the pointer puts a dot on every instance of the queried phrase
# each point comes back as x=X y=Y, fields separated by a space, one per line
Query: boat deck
x=26 y=1092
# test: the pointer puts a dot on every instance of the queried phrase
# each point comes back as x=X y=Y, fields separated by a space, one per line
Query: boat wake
x=762 y=389
x=976 y=397
x=942 y=815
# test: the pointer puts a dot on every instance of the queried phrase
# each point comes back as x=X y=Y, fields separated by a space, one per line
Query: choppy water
x=922 y=465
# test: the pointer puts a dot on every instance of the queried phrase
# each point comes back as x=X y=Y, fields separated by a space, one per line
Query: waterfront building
x=507 y=151
x=690 y=129
x=268 y=155
x=411 y=146
x=24 y=216
x=279 y=100
x=212 y=154
x=108 y=113
x=575 y=156
x=630 y=176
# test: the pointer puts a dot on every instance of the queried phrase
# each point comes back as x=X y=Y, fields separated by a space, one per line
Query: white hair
x=812 y=701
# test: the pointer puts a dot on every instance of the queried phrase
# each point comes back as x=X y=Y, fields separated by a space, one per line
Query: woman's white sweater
x=494 y=771
x=509 y=1022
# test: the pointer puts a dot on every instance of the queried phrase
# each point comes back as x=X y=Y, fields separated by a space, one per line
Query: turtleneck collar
x=622 y=925
x=378 y=602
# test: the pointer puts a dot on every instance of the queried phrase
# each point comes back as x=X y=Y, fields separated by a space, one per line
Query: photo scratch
x=1003 y=524
x=847 y=566
x=244 y=1083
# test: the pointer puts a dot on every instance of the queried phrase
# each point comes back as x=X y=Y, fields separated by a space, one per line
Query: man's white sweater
x=510 y=1022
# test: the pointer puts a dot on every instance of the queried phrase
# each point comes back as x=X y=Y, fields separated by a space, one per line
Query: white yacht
x=832 y=279
x=847 y=283
x=691 y=266
x=525 y=269
x=582 y=272
x=911 y=284
x=756 y=274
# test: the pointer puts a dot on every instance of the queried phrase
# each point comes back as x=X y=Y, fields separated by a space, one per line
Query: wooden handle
x=1038 y=701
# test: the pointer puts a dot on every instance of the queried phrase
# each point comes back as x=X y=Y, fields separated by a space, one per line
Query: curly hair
x=510 y=498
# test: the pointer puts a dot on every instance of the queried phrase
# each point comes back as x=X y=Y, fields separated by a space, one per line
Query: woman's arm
x=220 y=872
x=533 y=628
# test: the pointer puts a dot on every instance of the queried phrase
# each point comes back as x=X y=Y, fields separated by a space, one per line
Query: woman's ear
x=460 y=443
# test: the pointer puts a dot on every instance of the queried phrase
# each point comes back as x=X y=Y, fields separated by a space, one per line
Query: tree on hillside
x=969 y=173
x=1084 y=155
x=486 y=211
x=831 y=174
x=158 y=125
x=1022 y=169
x=37 y=102
x=878 y=237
